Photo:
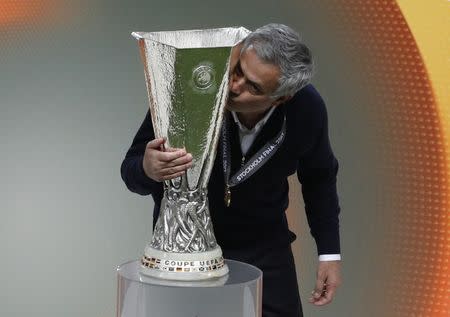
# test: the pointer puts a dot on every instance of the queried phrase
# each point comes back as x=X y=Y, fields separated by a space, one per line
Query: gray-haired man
x=270 y=100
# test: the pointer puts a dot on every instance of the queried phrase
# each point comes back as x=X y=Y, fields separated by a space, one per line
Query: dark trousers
x=280 y=289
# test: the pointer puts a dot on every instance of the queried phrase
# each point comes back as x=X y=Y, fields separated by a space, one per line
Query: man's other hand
x=164 y=165
x=327 y=281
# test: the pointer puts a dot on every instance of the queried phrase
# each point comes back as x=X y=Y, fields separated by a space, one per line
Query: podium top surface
x=239 y=273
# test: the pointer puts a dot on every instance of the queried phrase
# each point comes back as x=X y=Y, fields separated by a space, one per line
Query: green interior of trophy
x=199 y=74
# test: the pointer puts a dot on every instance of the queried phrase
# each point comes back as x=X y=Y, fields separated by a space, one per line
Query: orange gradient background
x=31 y=12
x=403 y=47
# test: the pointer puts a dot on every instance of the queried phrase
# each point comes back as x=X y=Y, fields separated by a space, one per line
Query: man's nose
x=237 y=84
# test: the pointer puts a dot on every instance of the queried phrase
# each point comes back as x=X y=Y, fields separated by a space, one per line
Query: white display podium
x=238 y=294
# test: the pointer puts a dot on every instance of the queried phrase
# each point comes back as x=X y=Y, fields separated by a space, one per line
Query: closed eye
x=238 y=69
x=253 y=87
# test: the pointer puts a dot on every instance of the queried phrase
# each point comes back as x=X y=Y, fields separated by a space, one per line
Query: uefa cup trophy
x=186 y=73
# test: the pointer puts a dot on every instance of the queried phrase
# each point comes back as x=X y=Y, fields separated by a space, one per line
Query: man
x=273 y=109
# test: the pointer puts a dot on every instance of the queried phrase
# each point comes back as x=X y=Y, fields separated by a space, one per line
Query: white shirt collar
x=257 y=127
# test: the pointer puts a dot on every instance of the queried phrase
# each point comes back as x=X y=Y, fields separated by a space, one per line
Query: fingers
x=320 y=285
x=185 y=159
x=156 y=143
x=175 y=169
x=328 y=295
x=319 y=290
x=171 y=149
x=169 y=153
x=172 y=176
x=323 y=297
x=170 y=156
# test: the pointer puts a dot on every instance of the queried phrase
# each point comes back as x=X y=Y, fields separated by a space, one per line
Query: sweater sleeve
x=132 y=170
x=317 y=170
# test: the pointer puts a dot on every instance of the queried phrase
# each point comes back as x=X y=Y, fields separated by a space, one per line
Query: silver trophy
x=186 y=73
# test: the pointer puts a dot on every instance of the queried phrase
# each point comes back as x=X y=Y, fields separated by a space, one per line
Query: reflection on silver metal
x=184 y=225
x=186 y=74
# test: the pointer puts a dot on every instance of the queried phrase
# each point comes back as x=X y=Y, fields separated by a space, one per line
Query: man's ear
x=280 y=100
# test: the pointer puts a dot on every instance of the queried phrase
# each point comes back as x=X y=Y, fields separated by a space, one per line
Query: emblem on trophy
x=186 y=74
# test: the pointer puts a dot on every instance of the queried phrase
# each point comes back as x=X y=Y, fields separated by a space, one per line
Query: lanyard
x=253 y=164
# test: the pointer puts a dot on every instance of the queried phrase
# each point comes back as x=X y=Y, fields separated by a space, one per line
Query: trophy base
x=213 y=282
x=183 y=266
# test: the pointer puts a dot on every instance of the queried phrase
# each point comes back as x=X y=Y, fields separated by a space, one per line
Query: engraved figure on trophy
x=186 y=74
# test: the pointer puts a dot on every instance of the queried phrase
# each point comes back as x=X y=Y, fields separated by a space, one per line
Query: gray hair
x=280 y=45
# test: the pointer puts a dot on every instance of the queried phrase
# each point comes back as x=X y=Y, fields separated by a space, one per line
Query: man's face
x=251 y=83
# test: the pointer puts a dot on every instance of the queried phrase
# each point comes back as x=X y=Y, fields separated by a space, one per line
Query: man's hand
x=164 y=165
x=328 y=279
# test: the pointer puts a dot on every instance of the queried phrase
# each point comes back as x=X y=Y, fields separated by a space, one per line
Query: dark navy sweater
x=256 y=216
